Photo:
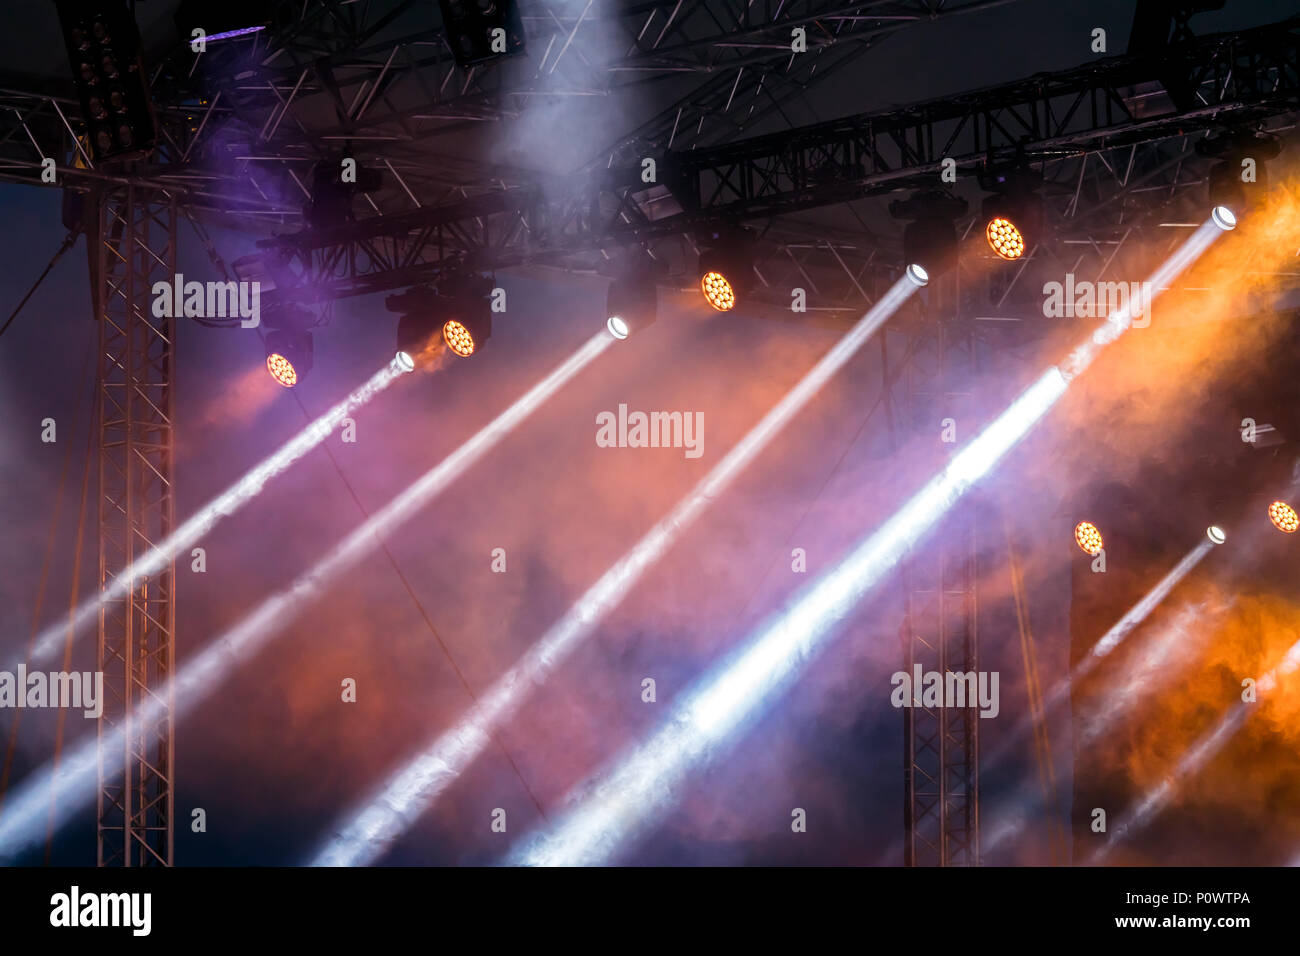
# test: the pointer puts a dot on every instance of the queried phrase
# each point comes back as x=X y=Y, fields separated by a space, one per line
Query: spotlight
x=630 y=305
x=1239 y=178
x=479 y=30
x=1216 y=534
x=1087 y=537
x=459 y=338
x=1004 y=238
x=418 y=324
x=466 y=317
x=288 y=356
x=930 y=236
x=416 y=331
x=456 y=311
x=718 y=291
x=1012 y=215
x=289 y=343
x=1223 y=218
x=1283 y=517
x=917 y=275
x=221 y=19
x=103 y=46
x=726 y=266
x=404 y=362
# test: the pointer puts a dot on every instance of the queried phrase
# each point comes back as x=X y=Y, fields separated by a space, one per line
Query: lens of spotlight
x=1088 y=537
x=917 y=275
x=1224 y=218
x=281 y=370
x=1004 y=238
x=617 y=327
x=1283 y=517
x=405 y=362
x=717 y=291
x=458 y=338
x=1216 y=534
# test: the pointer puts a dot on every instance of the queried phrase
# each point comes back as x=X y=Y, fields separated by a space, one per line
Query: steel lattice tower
x=134 y=246
x=941 y=745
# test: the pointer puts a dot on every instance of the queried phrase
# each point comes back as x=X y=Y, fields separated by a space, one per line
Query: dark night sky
x=274 y=757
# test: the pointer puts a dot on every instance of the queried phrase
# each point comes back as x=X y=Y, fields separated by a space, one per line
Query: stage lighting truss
x=1088 y=538
x=1284 y=517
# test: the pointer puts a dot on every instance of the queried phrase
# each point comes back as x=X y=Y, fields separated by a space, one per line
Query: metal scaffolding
x=134 y=246
x=940 y=627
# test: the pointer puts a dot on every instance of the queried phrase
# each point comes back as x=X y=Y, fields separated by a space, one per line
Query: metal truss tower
x=133 y=245
x=941 y=744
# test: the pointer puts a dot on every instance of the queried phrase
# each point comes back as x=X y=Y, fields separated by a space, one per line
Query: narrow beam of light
x=1112 y=639
x=231 y=34
x=616 y=807
x=1013 y=815
x=25 y=818
x=389 y=811
x=1201 y=753
x=49 y=642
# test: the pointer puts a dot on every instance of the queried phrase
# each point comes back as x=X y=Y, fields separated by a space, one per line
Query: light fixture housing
x=471 y=27
x=1088 y=538
x=456 y=312
x=930 y=236
x=416 y=332
x=1238 y=179
x=726 y=267
x=1284 y=517
x=103 y=46
x=1224 y=218
x=288 y=355
x=631 y=305
x=1012 y=215
x=1004 y=238
x=1216 y=534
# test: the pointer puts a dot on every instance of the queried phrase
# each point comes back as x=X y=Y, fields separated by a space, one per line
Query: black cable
x=446 y=651
x=68 y=243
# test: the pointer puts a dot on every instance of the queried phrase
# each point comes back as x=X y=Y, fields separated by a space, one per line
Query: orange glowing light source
x=1088 y=537
x=717 y=291
x=458 y=338
x=1005 y=238
x=1283 y=517
x=281 y=370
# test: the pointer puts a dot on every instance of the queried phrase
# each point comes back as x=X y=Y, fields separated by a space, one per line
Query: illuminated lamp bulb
x=1088 y=537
